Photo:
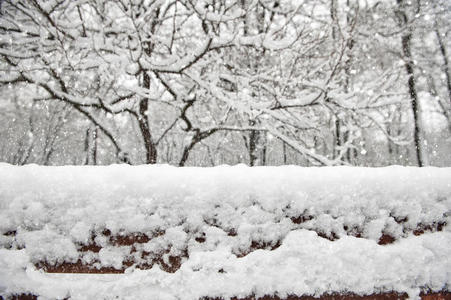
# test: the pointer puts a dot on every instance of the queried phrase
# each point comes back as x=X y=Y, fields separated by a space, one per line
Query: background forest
x=208 y=82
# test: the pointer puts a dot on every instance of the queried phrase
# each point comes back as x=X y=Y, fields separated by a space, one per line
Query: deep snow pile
x=236 y=230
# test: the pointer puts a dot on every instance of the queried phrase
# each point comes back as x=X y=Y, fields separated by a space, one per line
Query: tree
x=224 y=81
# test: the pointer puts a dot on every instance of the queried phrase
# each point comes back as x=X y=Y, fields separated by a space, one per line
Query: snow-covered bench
x=160 y=232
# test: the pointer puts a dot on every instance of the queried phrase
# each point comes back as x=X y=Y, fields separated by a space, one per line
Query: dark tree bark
x=197 y=138
x=253 y=141
x=406 y=41
x=143 y=121
x=143 y=113
x=445 y=60
x=94 y=145
x=333 y=16
x=91 y=146
x=284 y=153
x=338 y=138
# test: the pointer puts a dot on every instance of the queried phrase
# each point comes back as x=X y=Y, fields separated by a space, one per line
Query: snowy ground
x=237 y=230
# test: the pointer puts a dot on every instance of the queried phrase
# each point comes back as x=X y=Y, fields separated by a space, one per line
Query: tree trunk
x=143 y=121
x=445 y=60
x=143 y=114
x=351 y=19
x=406 y=49
x=284 y=151
x=94 y=145
x=406 y=39
x=187 y=151
x=91 y=146
x=253 y=140
x=333 y=16
x=338 y=137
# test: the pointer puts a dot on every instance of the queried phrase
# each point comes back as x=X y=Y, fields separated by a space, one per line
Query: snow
x=288 y=211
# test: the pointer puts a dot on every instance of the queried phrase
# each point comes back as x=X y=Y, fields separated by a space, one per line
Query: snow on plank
x=189 y=233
